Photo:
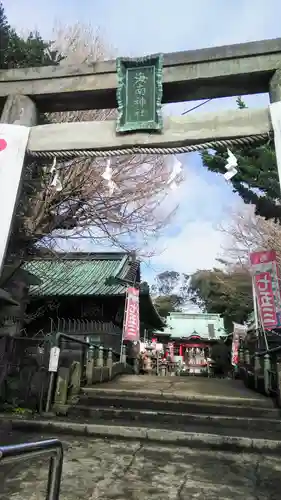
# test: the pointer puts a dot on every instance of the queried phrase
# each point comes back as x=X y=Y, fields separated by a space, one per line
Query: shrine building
x=193 y=335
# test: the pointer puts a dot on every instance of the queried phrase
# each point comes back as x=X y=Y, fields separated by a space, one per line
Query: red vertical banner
x=239 y=332
x=131 y=326
x=265 y=296
x=235 y=349
x=267 y=286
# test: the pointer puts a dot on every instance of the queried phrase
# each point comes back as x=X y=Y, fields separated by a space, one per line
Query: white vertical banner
x=13 y=143
x=275 y=112
x=54 y=359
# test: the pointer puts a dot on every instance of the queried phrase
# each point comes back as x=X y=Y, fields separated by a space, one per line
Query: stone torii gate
x=240 y=69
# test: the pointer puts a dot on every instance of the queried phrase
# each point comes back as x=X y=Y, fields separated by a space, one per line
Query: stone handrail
x=102 y=365
x=262 y=371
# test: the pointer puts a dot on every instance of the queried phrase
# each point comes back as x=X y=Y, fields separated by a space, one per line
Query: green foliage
x=171 y=290
x=22 y=52
x=4 y=36
x=165 y=304
x=12 y=407
x=32 y=51
x=171 y=283
x=19 y=52
x=257 y=179
x=225 y=292
x=22 y=412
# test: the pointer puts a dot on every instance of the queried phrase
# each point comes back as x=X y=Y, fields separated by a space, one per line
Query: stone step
x=194 y=406
x=205 y=438
x=177 y=420
x=254 y=399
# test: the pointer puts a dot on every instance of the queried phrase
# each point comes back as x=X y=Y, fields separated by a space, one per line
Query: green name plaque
x=139 y=94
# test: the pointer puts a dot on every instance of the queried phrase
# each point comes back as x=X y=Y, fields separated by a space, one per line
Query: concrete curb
x=163 y=436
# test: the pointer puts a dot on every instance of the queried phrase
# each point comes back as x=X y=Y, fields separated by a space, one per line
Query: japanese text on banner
x=266 y=300
x=132 y=322
x=269 y=299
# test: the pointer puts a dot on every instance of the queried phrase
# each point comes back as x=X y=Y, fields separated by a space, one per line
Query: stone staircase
x=192 y=405
x=196 y=412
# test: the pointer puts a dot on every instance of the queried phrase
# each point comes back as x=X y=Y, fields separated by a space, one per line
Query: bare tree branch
x=84 y=206
x=248 y=232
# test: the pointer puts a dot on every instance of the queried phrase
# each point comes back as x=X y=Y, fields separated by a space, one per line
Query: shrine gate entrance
x=138 y=88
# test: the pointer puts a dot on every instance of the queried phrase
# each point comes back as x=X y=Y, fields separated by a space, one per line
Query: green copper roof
x=81 y=274
x=185 y=324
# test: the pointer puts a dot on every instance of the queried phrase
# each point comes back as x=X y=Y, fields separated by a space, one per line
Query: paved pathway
x=108 y=470
x=185 y=387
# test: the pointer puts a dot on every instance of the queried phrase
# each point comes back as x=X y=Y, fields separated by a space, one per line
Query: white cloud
x=196 y=247
x=198 y=242
x=185 y=190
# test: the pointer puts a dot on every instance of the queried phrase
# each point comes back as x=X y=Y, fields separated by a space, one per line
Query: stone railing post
x=74 y=382
x=61 y=392
x=90 y=365
x=246 y=357
x=257 y=369
x=136 y=366
x=95 y=354
x=109 y=361
x=163 y=370
x=278 y=377
x=124 y=355
x=241 y=356
x=100 y=359
x=266 y=374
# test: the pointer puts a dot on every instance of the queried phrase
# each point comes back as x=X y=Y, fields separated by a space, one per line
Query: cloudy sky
x=138 y=28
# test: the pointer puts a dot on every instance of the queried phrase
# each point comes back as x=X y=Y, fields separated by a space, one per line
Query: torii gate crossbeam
x=224 y=71
x=215 y=72
x=208 y=73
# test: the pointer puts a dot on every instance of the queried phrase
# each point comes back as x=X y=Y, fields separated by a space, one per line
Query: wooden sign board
x=139 y=94
x=54 y=359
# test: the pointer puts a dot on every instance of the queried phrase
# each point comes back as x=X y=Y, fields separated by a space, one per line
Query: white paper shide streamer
x=230 y=166
x=177 y=169
x=107 y=176
x=55 y=182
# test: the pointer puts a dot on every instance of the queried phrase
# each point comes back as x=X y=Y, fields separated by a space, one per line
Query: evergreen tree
x=257 y=179
x=4 y=37
x=19 y=52
x=170 y=289
x=226 y=292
